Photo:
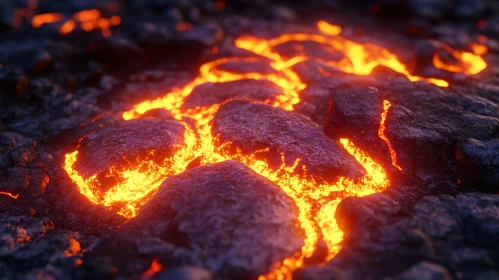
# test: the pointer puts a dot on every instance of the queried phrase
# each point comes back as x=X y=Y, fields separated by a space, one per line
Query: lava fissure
x=316 y=199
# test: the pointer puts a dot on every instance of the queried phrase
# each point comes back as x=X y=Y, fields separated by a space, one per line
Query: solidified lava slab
x=128 y=142
x=356 y=114
x=214 y=93
x=253 y=127
x=228 y=218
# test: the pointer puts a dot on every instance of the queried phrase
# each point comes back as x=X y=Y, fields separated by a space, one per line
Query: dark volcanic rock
x=354 y=213
x=128 y=142
x=213 y=93
x=185 y=273
x=17 y=231
x=425 y=134
x=459 y=233
x=253 y=127
x=478 y=164
x=356 y=114
x=319 y=273
x=223 y=217
x=425 y=270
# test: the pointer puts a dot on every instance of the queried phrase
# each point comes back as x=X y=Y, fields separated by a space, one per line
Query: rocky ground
x=438 y=220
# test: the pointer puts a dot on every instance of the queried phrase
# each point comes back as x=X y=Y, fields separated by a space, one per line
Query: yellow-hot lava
x=316 y=200
x=469 y=63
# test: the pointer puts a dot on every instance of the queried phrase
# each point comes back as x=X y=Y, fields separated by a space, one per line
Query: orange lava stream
x=156 y=267
x=14 y=196
x=381 y=133
x=315 y=199
x=469 y=63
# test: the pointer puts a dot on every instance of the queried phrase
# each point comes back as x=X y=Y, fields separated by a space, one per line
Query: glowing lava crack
x=315 y=199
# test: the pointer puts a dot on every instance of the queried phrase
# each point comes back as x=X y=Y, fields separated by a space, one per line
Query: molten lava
x=381 y=133
x=315 y=199
x=14 y=196
x=39 y=20
x=469 y=63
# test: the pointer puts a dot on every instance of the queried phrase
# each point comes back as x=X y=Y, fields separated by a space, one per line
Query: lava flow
x=469 y=63
x=315 y=199
x=14 y=196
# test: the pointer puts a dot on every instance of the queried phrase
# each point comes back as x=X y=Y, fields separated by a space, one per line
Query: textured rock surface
x=478 y=164
x=356 y=114
x=425 y=124
x=221 y=216
x=213 y=93
x=425 y=270
x=253 y=127
x=128 y=142
x=459 y=233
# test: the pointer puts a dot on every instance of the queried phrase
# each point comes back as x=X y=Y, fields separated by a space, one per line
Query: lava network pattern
x=312 y=195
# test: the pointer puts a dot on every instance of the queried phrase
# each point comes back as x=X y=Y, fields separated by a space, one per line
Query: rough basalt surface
x=214 y=93
x=128 y=143
x=479 y=159
x=220 y=216
x=253 y=127
x=356 y=114
x=459 y=233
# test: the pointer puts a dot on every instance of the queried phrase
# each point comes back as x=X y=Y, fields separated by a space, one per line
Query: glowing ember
x=329 y=29
x=67 y=27
x=315 y=199
x=479 y=49
x=74 y=247
x=88 y=19
x=42 y=19
x=14 y=196
x=156 y=267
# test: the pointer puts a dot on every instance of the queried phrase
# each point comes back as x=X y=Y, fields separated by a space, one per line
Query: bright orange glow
x=468 y=63
x=87 y=15
x=74 y=248
x=381 y=133
x=328 y=29
x=89 y=20
x=42 y=19
x=67 y=27
x=479 y=49
x=14 y=196
x=315 y=199
x=156 y=267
